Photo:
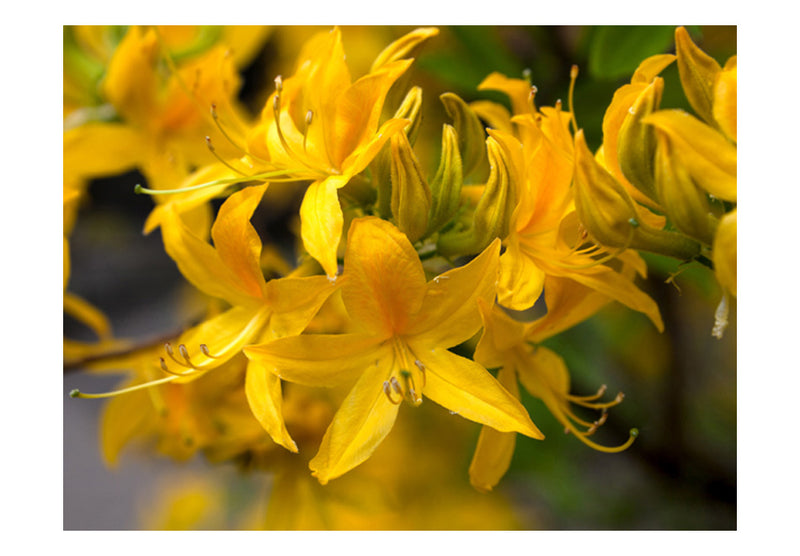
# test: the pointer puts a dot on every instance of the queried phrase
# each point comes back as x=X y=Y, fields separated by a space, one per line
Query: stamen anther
x=388 y=391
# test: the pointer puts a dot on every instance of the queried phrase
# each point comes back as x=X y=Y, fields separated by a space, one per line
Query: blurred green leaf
x=616 y=51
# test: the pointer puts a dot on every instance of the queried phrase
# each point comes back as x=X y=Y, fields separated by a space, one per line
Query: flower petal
x=318 y=359
x=495 y=449
x=450 y=313
x=236 y=240
x=362 y=422
x=385 y=279
x=358 y=109
x=322 y=221
x=223 y=335
x=709 y=157
x=521 y=280
x=199 y=262
x=466 y=388
x=263 y=391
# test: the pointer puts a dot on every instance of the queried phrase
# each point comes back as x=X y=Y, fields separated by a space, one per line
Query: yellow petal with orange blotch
x=385 y=279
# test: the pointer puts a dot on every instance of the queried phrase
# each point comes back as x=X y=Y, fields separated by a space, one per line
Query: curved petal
x=363 y=154
x=495 y=449
x=199 y=262
x=318 y=359
x=322 y=222
x=362 y=422
x=88 y=314
x=450 y=313
x=521 y=280
x=608 y=282
x=236 y=240
x=294 y=302
x=263 y=390
x=403 y=47
x=358 y=109
x=466 y=388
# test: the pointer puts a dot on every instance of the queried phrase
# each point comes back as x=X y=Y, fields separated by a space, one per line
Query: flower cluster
x=408 y=283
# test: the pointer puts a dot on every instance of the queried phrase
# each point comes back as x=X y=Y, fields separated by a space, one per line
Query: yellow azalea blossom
x=545 y=238
x=321 y=126
x=164 y=123
x=260 y=310
x=400 y=351
x=511 y=347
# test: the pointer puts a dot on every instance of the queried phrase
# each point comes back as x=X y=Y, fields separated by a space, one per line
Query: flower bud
x=708 y=157
x=380 y=166
x=724 y=252
x=610 y=216
x=471 y=135
x=725 y=100
x=685 y=204
x=604 y=207
x=410 y=109
x=698 y=73
x=497 y=203
x=492 y=215
x=411 y=196
x=446 y=185
x=636 y=142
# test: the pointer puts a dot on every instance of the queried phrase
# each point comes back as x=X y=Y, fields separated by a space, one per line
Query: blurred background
x=680 y=386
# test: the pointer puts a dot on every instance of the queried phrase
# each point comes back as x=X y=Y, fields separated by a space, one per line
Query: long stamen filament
x=573 y=76
x=78 y=394
x=276 y=110
x=215 y=117
x=264 y=176
x=222 y=160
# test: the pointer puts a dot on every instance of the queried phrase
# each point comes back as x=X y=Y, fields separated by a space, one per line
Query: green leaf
x=616 y=51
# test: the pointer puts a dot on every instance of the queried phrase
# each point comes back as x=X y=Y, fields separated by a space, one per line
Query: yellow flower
x=320 y=126
x=260 y=310
x=545 y=237
x=511 y=346
x=400 y=350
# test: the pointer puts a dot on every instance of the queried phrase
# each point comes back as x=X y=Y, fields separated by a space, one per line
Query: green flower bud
x=409 y=109
x=411 y=196
x=610 y=216
x=471 y=135
x=446 y=185
x=685 y=204
x=492 y=215
x=636 y=142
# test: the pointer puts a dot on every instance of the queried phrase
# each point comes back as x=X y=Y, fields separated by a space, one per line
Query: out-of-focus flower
x=401 y=349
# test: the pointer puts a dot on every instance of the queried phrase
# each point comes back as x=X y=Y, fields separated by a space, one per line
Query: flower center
x=408 y=376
